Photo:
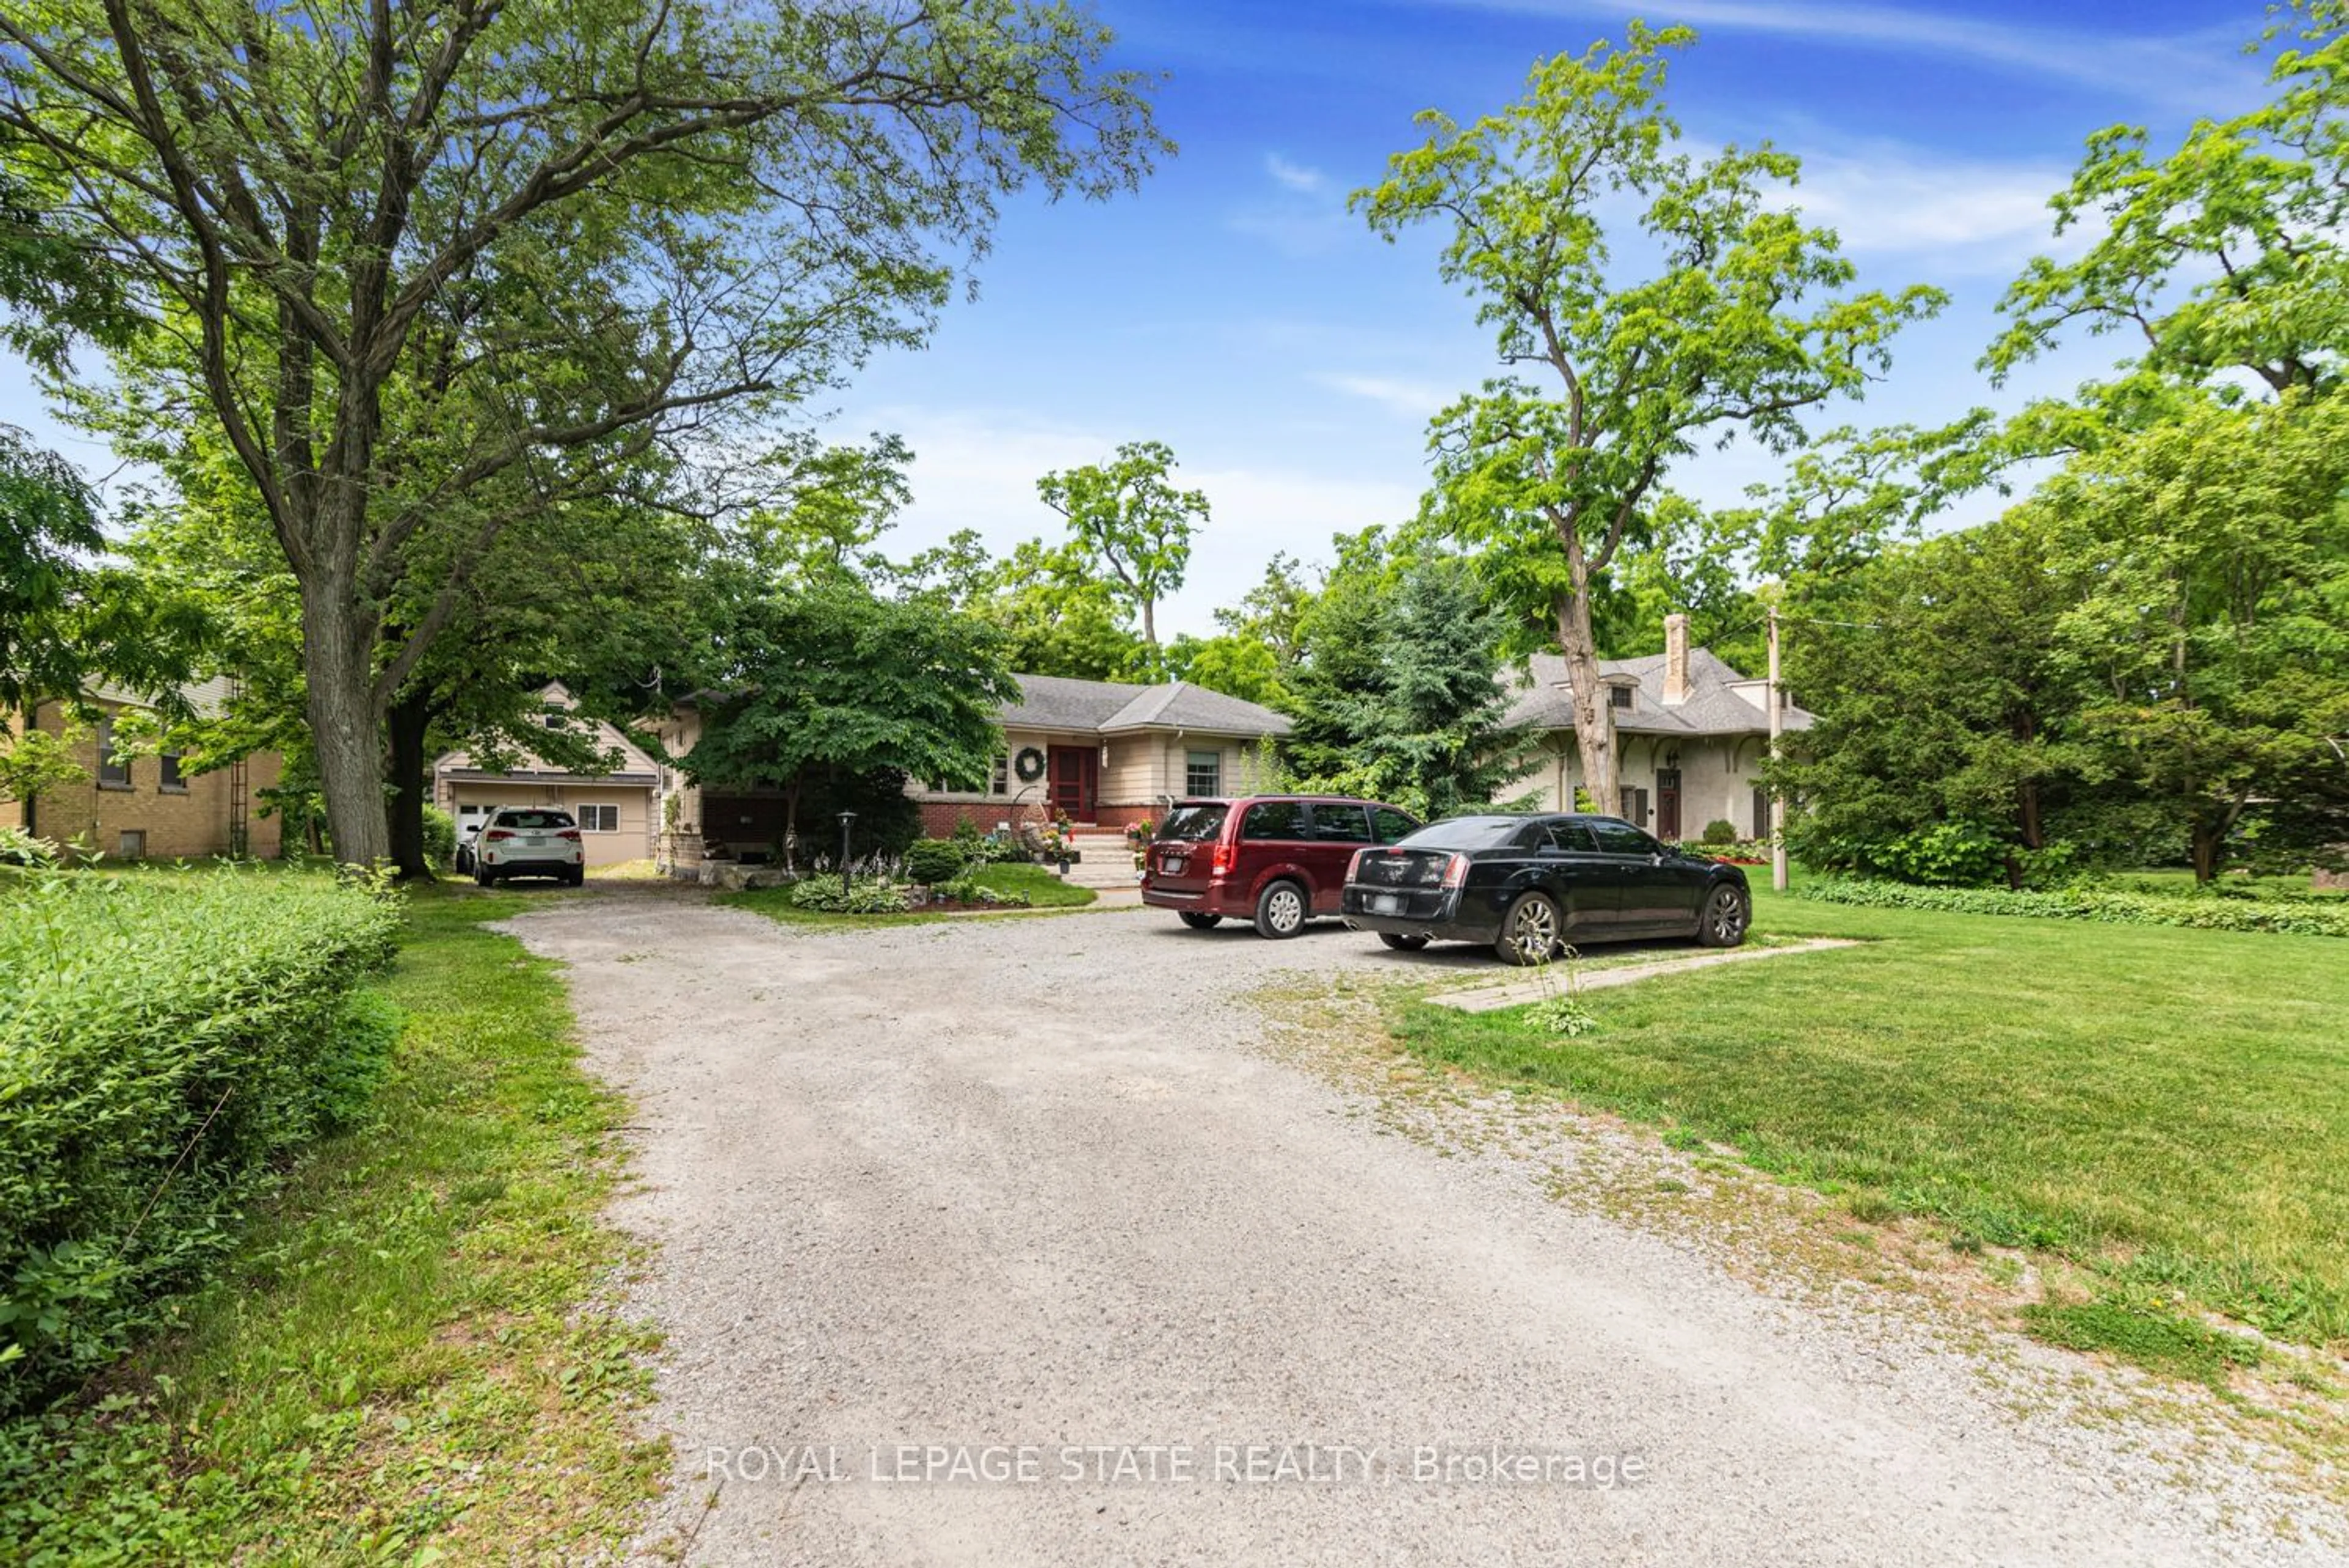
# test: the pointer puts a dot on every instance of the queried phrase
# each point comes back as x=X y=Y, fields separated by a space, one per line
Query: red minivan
x=1276 y=859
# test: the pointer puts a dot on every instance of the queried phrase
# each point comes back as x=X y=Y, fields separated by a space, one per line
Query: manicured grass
x=2167 y=1107
x=407 y=1356
x=1042 y=888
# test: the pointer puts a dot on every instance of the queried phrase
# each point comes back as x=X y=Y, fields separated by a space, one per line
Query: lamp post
x=846 y=818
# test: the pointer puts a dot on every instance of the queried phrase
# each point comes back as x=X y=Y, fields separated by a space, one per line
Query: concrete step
x=1106 y=860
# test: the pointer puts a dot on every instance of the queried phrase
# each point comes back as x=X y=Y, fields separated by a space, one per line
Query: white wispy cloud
x=1961 y=216
x=2191 y=70
x=1418 y=401
x=1294 y=176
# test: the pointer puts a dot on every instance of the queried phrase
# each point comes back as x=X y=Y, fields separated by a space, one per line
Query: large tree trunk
x=1594 y=727
x=411 y=784
x=2209 y=841
x=345 y=728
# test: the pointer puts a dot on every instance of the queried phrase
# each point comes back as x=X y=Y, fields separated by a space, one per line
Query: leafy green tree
x=2211 y=643
x=1948 y=746
x=1131 y=522
x=436 y=270
x=1232 y=664
x=1732 y=316
x=1340 y=636
x=1271 y=612
x=831 y=683
x=2227 y=255
x=1059 y=616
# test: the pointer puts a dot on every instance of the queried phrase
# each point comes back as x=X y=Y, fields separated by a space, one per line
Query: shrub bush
x=866 y=896
x=439 y=835
x=1720 y=831
x=2088 y=903
x=166 y=1040
x=934 y=862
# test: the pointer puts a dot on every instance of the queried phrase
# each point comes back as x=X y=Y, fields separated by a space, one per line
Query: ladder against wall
x=240 y=836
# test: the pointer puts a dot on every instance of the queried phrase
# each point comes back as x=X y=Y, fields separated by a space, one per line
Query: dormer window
x=1620 y=695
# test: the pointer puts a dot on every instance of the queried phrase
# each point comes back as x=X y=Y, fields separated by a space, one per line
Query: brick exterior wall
x=194 y=822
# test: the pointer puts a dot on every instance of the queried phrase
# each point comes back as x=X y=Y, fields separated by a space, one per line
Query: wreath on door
x=1028 y=765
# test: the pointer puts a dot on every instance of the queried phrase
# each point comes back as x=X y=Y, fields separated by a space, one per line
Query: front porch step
x=1107 y=860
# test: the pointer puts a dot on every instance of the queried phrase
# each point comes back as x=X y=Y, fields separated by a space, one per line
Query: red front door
x=1075 y=773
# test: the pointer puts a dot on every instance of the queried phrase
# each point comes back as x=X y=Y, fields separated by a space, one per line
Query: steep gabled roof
x=1713 y=708
x=635 y=766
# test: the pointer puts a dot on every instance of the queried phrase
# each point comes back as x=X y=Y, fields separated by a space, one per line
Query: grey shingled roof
x=1061 y=702
x=1711 y=709
x=634 y=766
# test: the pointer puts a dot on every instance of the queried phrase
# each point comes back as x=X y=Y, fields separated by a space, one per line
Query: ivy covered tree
x=1726 y=316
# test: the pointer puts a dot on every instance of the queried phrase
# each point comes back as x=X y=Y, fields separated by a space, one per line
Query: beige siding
x=632 y=841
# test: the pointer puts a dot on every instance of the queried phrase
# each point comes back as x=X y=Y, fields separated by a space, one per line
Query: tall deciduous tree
x=2212 y=642
x=437 y=268
x=2229 y=254
x=1727 y=315
x=1128 y=517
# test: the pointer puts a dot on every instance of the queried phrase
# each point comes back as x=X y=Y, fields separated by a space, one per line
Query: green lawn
x=405 y=1355
x=1043 y=890
x=2168 y=1108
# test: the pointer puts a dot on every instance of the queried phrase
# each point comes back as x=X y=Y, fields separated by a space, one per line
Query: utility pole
x=1777 y=749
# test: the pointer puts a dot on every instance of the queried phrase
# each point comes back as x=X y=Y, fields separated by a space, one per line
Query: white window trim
x=597 y=808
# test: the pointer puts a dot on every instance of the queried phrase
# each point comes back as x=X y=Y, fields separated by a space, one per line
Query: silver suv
x=529 y=841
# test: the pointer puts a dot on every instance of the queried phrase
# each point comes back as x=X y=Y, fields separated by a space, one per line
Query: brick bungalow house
x=1104 y=753
x=148 y=807
x=615 y=810
x=1692 y=734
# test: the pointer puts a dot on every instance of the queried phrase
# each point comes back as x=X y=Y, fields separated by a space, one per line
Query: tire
x=1727 y=913
x=1402 y=944
x=1199 y=920
x=576 y=876
x=1282 y=911
x=484 y=877
x=1530 y=931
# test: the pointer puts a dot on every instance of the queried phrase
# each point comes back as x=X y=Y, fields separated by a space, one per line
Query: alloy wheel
x=1533 y=930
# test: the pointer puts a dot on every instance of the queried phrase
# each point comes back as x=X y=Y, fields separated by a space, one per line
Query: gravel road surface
x=1006 y=1241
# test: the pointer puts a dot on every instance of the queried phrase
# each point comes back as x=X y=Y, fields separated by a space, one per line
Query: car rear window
x=1466 y=833
x=1194 y=823
x=1275 y=819
x=535 y=819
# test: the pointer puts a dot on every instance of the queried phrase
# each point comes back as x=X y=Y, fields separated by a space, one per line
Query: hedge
x=166 y=1041
x=2084 y=903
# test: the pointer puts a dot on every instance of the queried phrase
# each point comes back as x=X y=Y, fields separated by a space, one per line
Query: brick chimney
x=1676 y=659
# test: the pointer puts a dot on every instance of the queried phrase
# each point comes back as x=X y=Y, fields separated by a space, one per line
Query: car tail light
x=1354 y=866
x=570 y=832
x=1456 y=871
x=495 y=834
x=1220 y=863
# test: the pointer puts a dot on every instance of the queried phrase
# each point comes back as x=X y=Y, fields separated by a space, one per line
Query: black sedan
x=1531 y=885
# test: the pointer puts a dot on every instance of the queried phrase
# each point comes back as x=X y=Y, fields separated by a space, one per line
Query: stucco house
x=616 y=811
x=1692 y=733
x=147 y=807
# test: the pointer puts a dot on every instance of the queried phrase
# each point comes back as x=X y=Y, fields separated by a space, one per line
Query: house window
x=599 y=819
x=113 y=767
x=1203 y=773
x=169 y=779
x=553 y=721
x=131 y=844
x=1001 y=783
x=1620 y=695
x=1760 y=812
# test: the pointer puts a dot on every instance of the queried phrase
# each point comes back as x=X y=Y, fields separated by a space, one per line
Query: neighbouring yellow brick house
x=148 y=807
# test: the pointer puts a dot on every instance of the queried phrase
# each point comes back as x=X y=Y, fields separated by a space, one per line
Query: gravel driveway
x=1005 y=1242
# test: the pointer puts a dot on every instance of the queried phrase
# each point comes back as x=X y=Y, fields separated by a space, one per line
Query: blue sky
x=1235 y=310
